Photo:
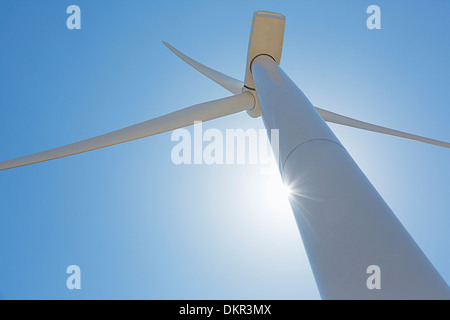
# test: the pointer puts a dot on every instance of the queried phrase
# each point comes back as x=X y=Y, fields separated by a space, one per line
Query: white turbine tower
x=345 y=224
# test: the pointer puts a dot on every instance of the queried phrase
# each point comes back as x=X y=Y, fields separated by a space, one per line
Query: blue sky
x=140 y=226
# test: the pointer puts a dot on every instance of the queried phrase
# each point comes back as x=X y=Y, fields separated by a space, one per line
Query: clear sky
x=140 y=226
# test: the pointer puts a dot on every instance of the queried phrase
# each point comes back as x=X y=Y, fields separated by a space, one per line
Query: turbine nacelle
x=266 y=38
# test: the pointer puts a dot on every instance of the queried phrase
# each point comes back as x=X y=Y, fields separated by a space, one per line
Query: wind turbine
x=345 y=225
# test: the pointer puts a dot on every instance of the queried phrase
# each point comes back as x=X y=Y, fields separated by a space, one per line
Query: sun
x=287 y=190
x=275 y=193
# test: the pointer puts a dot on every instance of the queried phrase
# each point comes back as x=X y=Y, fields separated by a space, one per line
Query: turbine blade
x=346 y=121
x=178 y=119
x=233 y=85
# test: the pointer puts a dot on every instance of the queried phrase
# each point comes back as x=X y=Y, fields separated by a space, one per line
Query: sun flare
x=276 y=194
